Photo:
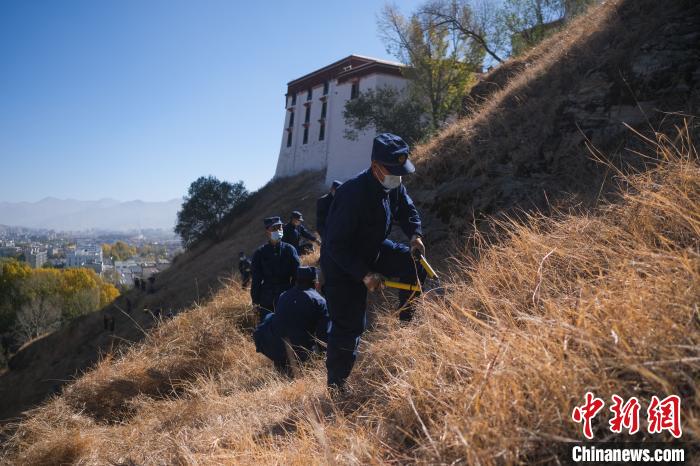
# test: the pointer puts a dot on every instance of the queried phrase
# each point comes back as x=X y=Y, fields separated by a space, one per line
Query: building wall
x=312 y=155
x=340 y=157
x=348 y=157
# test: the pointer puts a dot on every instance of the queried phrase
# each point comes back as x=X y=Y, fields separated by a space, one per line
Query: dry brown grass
x=604 y=301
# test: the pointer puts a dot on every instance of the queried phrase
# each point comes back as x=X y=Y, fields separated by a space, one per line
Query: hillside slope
x=42 y=366
x=527 y=142
x=488 y=374
x=598 y=299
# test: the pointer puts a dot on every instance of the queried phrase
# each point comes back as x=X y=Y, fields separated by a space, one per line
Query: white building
x=35 y=257
x=127 y=271
x=89 y=256
x=314 y=128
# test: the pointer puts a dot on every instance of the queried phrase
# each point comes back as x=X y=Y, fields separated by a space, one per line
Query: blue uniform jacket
x=292 y=234
x=323 y=205
x=359 y=221
x=301 y=317
x=273 y=270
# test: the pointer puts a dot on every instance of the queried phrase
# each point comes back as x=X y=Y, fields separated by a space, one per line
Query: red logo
x=626 y=415
x=586 y=412
x=665 y=415
x=661 y=415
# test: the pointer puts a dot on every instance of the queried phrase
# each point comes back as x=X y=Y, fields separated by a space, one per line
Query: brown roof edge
x=369 y=68
x=349 y=58
x=335 y=69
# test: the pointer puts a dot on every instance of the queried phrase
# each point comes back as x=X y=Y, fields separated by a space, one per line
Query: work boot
x=338 y=392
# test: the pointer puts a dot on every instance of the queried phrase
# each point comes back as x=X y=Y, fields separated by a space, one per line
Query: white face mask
x=391 y=181
x=276 y=235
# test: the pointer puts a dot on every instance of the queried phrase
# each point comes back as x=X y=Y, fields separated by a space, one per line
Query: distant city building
x=35 y=257
x=314 y=128
x=9 y=251
x=87 y=255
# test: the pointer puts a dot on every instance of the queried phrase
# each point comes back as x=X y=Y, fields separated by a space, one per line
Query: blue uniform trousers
x=347 y=305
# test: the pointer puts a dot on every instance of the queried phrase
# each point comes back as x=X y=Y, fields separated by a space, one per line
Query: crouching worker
x=296 y=326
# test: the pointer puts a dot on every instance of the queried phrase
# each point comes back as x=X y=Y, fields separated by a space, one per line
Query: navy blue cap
x=306 y=273
x=336 y=183
x=272 y=221
x=296 y=214
x=392 y=152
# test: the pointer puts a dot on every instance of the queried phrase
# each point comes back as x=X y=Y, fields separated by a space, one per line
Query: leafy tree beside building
x=444 y=44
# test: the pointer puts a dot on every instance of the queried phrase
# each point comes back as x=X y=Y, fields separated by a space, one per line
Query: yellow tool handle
x=427 y=267
x=401 y=286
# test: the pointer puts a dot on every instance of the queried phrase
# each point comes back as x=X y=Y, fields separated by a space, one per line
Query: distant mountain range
x=105 y=214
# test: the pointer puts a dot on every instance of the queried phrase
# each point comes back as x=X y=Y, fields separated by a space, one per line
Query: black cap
x=335 y=184
x=306 y=273
x=241 y=253
x=272 y=221
x=297 y=215
x=392 y=152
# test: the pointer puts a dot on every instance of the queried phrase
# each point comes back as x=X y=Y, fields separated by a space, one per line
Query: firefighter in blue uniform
x=294 y=230
x=273 y=269
x=323 y=205
x=356 y=254
x=301 y=318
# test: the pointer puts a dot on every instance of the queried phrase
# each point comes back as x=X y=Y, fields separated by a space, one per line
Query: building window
x=306 y=134
x=326 y=85
x=355 y=90
x=324 y=107
x=322 y=132
x=291 y=119
x=307 y=117
x=294 y=98
x=289 y=138
x=308 y=94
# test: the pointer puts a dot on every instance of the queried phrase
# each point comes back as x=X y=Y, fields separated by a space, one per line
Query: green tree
x=440 y=62
x=476 y=22
x=40 y=311
x=108 y=293
x=385 y=109
x=206 y=204
x=36 y=301
x=507 y=27
x=12 y=274
x=80 y=292
x=153 y=251
x=119 y=251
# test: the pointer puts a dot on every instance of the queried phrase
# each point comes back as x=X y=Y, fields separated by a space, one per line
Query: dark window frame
x=326 y=87
x=354 y=90
x=306 y=135
x=322 y=132
x=309 y=94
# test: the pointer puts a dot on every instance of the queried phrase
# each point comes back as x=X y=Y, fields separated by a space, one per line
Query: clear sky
x=134 y=99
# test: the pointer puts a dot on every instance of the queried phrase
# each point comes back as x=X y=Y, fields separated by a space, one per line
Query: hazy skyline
x=136 y=99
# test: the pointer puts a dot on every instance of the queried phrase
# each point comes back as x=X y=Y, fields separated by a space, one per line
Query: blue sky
x=134 y=99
